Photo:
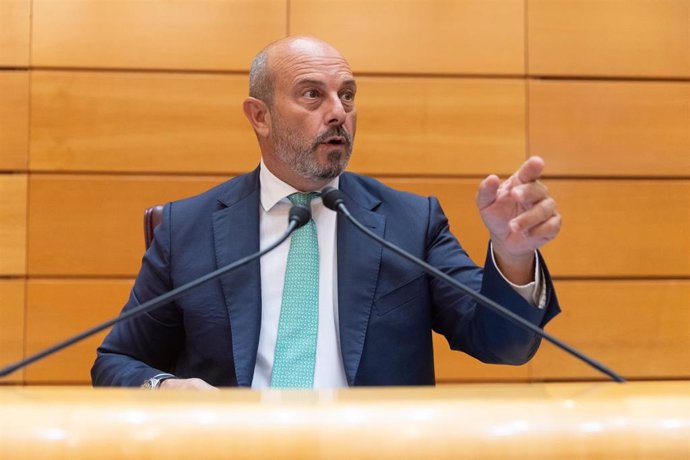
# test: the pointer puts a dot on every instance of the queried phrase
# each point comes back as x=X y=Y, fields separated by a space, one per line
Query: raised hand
x=520 y=215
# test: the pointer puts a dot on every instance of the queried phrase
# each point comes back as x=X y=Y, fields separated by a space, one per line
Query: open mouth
x=336 y=141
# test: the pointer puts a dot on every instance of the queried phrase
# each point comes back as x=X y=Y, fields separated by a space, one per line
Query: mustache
x=332 y=132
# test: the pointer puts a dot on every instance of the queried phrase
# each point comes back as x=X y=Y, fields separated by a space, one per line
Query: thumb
x=487 y=191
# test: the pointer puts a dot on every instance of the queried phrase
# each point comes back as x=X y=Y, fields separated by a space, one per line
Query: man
x=374 y=312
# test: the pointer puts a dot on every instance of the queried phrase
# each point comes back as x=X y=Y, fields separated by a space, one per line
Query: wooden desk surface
x=508 y=421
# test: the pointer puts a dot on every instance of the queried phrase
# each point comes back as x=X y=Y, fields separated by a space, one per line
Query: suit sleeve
x=468 y=326
x=144 y=346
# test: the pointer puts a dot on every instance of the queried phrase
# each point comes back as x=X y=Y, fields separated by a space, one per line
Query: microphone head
x=332 y=198
x=299 y=214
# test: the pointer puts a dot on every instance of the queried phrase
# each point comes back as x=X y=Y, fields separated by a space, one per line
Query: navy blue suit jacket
x=387 y=306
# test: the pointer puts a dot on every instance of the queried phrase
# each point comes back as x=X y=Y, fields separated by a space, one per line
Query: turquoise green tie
x=295 y=354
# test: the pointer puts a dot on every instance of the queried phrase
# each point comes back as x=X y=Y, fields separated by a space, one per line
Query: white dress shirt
x=329 y=371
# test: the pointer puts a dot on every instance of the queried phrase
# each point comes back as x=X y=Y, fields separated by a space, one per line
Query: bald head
x=269 y=62
x=301 y=105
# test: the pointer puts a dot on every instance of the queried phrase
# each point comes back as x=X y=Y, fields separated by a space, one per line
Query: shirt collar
x=274 y=190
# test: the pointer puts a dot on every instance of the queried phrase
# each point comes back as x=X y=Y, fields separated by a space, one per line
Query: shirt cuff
x=534 y=292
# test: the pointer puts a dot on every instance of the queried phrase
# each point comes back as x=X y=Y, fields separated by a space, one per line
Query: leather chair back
x=152 y=217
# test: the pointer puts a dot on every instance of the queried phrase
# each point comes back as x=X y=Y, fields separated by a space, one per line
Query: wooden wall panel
x=426 y=126
x=194 y=123
x=13 y=190
x=605 y=231
x=184 y=34
x=457 y=195
x=638 y=38
x=621 y=228
x=651 y=341
x=15 y=27
x=57 y=309
x=414 y=36
x=11 y=326
x=93 y=225
x=14 y=120
x=87 y=121
x=611 y=128
x=638 y=328
x=84 y=106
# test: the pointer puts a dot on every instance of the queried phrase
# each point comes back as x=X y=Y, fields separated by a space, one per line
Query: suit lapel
x=236 y=235
x=359 y=259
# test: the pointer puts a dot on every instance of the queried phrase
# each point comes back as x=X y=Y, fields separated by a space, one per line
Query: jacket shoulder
x=370 y=189
x=222 y=195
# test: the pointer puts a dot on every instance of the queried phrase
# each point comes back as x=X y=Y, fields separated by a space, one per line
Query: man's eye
x=311 y=93
x=348 y=96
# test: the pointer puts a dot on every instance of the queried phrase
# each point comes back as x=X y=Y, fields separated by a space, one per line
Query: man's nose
x=335 y=113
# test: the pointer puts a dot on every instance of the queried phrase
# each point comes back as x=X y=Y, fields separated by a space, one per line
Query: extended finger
x=529 y=171
x=534 y=216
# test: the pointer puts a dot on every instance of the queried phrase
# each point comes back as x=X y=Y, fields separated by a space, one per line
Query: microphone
x=333 y=199
x=298 y=216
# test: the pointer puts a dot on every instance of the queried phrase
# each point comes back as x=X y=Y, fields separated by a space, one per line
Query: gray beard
x=303 y=160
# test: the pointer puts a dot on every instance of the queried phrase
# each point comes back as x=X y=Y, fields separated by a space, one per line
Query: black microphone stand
x=299 y=215
x=333 y=199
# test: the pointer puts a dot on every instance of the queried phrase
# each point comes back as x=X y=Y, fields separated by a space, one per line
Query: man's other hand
x=186 y=384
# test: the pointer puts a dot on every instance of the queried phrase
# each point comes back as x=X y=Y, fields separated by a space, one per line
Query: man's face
x=313 y=116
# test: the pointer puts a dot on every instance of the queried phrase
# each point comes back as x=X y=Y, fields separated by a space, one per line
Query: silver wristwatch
x=155 y=382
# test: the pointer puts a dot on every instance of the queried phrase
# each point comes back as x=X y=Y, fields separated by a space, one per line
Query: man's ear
x=258 y=115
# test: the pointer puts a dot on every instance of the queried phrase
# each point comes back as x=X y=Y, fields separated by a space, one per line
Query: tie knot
x=303 y=199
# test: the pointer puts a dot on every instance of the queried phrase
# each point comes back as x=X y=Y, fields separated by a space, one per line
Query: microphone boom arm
x=339 y=205
x=297 y=219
